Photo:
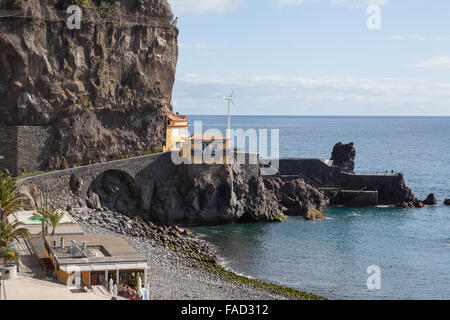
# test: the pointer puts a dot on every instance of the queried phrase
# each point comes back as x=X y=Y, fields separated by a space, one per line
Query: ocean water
x=330 y=258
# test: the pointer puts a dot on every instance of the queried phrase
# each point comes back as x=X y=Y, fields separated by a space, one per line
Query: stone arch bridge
x=151 y=186
x=124 y=185
x=154 y=187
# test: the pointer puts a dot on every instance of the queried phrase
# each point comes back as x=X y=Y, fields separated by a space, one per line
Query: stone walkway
x=30 y=283
x=25 y=288
x=28 y=265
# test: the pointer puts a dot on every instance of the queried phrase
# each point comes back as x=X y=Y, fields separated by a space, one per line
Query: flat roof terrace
x=100 y=249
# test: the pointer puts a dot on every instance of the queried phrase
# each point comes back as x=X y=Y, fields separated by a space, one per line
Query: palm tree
x=11 y=199
x=54 y=219
x=11 y=231
x=49 y=216
x=43 y=214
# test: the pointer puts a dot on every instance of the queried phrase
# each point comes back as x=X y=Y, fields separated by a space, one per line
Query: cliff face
x=213 y=194
x=104 y=89
x=298 y=197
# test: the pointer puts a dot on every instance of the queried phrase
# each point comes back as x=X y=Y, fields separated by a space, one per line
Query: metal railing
x=376 y=173
x=35 y=255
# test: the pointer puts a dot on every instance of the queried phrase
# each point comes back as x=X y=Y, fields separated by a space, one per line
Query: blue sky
x=313 y=57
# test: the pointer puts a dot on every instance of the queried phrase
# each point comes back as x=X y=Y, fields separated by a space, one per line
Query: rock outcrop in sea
x=103 y=89
x=447 y=202
x=398 y=192
x=298 y=198
x=416 y=203
x=430 y=200
x=343 y=156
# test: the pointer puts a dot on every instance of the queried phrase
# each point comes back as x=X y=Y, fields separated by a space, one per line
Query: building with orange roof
x=206 y=147
x=176 y=131
x=205 y=136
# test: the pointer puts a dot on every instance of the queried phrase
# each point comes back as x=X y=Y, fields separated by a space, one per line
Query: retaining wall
x=390 y=188
x=66 y=187
x=25 y=148
x=71 y=187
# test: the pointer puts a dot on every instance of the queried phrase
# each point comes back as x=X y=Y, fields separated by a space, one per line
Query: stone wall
x=67 y=187
x=357 y=198
x=391 y=188
x=8 y=149
x=314 y=171
x=25 y=148
x=154 y=188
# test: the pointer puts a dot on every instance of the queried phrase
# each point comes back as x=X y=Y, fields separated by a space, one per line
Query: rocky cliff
x=298 y=198
x=214 y=194
x=104 y=89
x=206 y=195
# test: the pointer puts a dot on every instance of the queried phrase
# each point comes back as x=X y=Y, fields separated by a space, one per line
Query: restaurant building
x=80 y=259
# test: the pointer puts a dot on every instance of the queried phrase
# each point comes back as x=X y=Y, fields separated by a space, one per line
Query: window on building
x=130 y=277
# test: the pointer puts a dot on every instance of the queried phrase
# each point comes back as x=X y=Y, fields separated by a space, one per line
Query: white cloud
x=333 y=95
x=283 y=3
x=435 y=63
x=200 y=46
x=442 y=38
x=351 y=3
x=197 y=46
x=206 y=6
x=360 y=3
x=400 y=37
x=203 y=6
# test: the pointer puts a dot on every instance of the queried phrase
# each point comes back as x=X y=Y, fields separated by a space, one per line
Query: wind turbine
x=229 y=101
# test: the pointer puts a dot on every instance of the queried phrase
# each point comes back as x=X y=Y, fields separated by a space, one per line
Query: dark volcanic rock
x=404 y=205
x=104 y=89
x=447 y=202
x=114 y=190
x=395 y=192
x=343 y=156
x=261 y=203
x=411 y=204
x=207 y=195
x=76 y=183
x=298 y=197
x=202 y=194
x=315 y=215
x=430 y=200
x=418 y=204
